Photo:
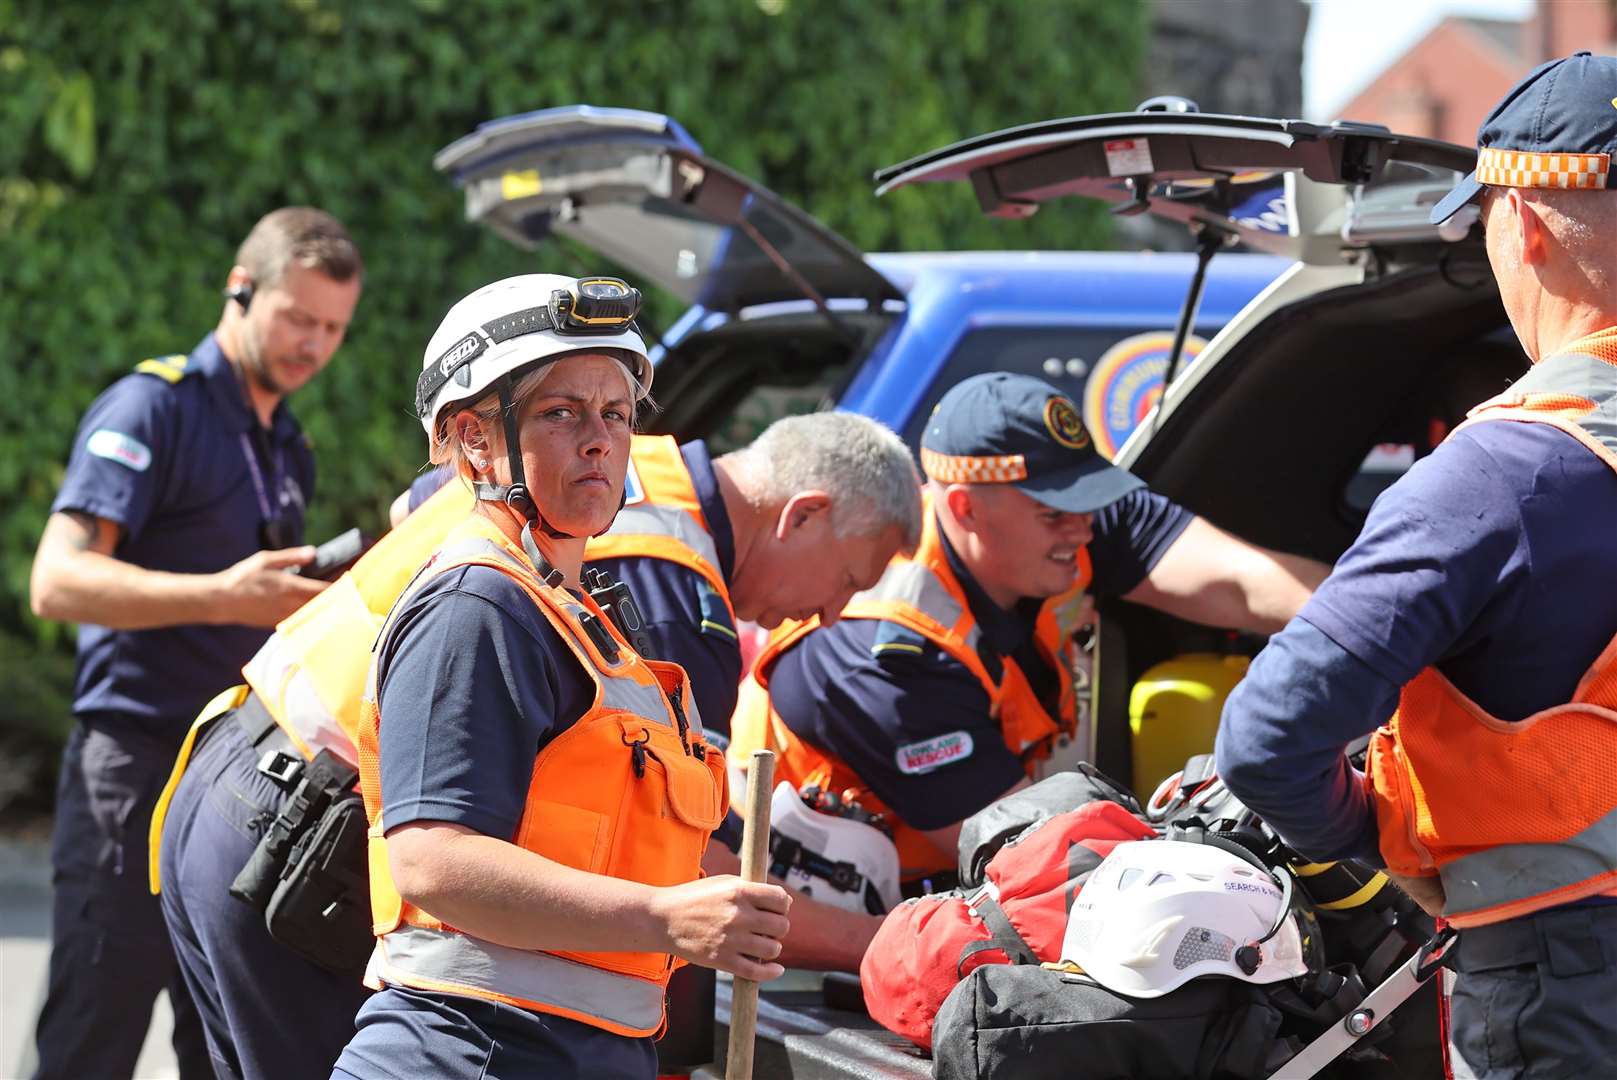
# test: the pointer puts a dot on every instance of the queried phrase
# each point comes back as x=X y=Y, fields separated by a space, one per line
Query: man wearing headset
x=180 y=513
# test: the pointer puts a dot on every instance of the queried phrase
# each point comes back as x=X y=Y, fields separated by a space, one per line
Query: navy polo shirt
x=1492 y=559
x=686 y=619
x=175 y=457
x=473 y=681
x=879 y=708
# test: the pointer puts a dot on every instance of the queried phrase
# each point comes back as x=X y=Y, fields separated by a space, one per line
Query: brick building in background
x=1445 y=84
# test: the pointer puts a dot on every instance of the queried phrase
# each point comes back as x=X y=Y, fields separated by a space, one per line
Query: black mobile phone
x=336 y=555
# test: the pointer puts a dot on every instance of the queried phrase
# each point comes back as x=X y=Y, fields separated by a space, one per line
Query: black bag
x=320 y=908
x=986 y=831
x=1033 y=1023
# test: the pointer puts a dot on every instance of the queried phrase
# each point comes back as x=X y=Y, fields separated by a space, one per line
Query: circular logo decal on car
x=1061 y=419
x=1126 y=382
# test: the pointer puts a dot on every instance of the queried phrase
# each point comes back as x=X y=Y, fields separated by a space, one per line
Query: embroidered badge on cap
x=116 y=446
x=1061 y=419
x=929 y=754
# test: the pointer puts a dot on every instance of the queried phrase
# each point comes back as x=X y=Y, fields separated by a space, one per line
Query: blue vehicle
x=787 y=317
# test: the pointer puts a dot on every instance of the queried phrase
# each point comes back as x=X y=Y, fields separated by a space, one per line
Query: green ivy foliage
x=139 y=141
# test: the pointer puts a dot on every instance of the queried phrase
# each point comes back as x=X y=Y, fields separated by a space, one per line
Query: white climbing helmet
x=513 y=322
x=836 y=860
x=1158 y=913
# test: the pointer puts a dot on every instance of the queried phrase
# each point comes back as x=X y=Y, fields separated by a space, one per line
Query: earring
x=483 y=465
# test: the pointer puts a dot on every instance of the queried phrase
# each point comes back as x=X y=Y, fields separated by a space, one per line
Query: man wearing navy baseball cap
x=951 y=681
x=1479 y=602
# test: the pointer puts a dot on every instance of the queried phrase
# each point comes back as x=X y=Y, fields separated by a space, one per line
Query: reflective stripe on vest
x=311 y=672
x=1514 y=817
x=453 y=962
x=585 y=808
x=1502 y=875
x=915 y=586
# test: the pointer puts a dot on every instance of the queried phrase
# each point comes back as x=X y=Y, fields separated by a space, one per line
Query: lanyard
x=270 y=512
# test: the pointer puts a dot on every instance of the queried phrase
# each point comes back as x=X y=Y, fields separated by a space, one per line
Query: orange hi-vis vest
x=921 y=593
x=630 y=790
x=1513 y=817
x=310 y=674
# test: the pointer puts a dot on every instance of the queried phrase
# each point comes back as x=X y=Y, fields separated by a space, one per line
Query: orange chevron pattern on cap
x=964 y=469
x=1519 y=168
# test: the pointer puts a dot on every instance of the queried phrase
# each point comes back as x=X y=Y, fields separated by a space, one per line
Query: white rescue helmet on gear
x=515 y=322
x=1157 y=913
x=836 y=860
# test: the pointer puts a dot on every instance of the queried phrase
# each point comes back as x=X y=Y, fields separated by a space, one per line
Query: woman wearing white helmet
x=539 y=796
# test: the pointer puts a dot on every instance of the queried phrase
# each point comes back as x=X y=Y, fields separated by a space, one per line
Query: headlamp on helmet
x=599 y=305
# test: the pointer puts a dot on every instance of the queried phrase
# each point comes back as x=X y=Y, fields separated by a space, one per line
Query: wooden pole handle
x=754 y=867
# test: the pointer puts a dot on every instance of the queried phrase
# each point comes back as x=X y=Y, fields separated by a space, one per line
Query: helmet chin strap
x=515 y=494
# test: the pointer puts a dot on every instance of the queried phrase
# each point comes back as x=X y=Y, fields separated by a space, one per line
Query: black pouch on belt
x=321 y=908
x=308 y=874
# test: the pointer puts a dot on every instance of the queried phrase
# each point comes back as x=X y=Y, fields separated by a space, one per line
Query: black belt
x=278 y=756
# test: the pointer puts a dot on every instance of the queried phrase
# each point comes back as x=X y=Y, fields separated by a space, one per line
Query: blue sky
x=1350 y=41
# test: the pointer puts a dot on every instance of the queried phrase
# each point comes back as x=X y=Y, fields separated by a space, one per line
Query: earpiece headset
x=242 y=294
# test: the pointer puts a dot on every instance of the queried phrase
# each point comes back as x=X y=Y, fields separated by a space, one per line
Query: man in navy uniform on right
x=1480 y=601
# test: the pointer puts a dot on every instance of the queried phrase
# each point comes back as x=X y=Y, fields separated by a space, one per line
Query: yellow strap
x=214 y=709
x=1370 y=888
x=1311 y=868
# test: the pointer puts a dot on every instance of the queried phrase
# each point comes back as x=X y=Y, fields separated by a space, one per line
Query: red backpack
x=1019 y=914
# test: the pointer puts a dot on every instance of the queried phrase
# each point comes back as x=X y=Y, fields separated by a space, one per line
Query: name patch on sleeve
x=934 y=753
x=116 y=446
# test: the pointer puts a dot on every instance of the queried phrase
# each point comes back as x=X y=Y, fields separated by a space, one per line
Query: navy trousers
x=1535 y=998
x=266 y=1010
x=412 y=1033
x=110 y=954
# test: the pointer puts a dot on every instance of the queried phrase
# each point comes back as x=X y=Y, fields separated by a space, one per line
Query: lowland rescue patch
x=933 y=753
